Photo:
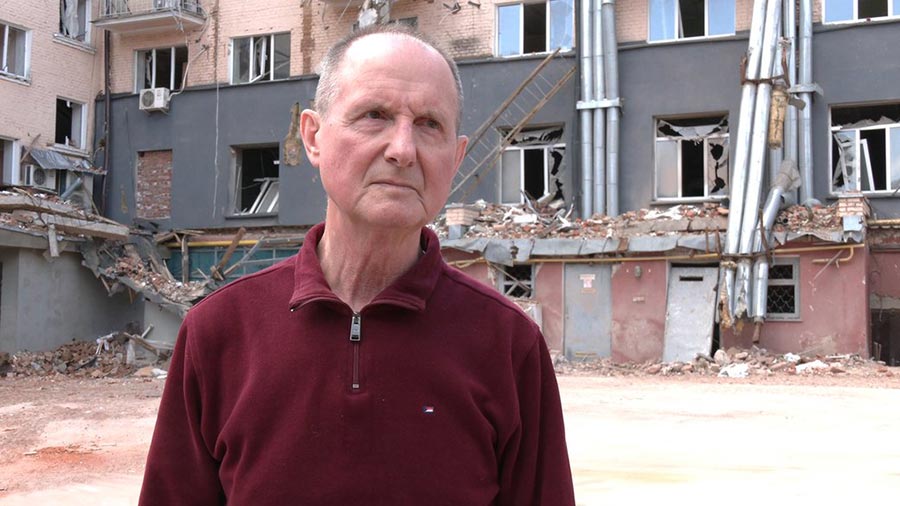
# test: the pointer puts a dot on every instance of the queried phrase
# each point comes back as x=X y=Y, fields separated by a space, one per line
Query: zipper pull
x=355 y=328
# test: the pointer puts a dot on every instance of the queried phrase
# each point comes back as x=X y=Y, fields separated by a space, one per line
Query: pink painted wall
x=834 y=311
x=638 y=311
x=884 y=274
x=548 y=291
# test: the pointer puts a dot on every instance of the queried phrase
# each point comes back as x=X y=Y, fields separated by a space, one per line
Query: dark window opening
x=534 y=172
x=875 y=146
x=692 y=169
x=845 y=116
x=518 y=281
x=781 y=294
x=873 y=8
x=781 y=272
x=257 y=178
x=64 y=115
x=534 y=38
x=693 y=20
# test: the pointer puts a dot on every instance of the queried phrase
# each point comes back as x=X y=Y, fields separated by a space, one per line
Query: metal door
x=588 y=311
x=690 y=310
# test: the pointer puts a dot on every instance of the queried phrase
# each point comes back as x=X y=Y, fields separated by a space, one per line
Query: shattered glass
x=562 y=24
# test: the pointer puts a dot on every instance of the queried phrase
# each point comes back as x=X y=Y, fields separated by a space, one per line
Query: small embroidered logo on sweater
x=428 y=410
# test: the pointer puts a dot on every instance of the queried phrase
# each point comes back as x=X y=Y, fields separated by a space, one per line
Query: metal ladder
x=517 y=110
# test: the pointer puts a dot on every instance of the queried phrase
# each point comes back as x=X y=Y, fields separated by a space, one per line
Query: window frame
x=82 y=137
x=506 y=282
x=545 y=149
x=706 y=197
x=892 y=13
x=794 y=262
x=12 y=156
x=4 y=56
x=138 y=72
x=548 y=23
x=237 y=153
x=233 y=69
x=85 y=23
x=675 y=24
x=858 y=172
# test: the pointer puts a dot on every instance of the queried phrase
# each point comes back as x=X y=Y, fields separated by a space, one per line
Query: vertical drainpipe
x=758 y=146
x=586 y=119
x=805 y=79
x=107 y=127
x=611 y=61
x=790 y=126
x=776 y=155
x=599 y=113
x=741 y=155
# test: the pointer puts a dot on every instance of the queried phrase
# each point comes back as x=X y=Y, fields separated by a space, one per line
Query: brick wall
x=28 y=110
x=153 y=192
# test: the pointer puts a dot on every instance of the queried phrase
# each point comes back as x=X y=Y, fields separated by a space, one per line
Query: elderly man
x=364 y=370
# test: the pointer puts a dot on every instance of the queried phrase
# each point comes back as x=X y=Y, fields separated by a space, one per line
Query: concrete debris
x=105 y=357
x=734 y=363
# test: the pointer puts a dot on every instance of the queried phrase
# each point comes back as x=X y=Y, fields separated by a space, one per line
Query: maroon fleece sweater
x=439 y=392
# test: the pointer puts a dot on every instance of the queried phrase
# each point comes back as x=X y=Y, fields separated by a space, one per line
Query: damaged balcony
x=129 y=16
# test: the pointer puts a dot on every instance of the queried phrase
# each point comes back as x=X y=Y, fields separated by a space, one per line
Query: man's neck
x=359 y=262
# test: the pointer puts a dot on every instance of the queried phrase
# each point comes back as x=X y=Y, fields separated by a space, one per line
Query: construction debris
x=734 y=363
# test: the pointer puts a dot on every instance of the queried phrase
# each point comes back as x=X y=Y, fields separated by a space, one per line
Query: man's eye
x=374 y=115
x=430 y=123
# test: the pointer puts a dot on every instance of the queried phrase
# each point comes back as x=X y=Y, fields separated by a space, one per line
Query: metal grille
x=781 y=300
x=781 y=272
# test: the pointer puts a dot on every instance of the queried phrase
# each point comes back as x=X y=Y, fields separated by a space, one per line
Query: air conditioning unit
x=154 y=99
x=32 y=175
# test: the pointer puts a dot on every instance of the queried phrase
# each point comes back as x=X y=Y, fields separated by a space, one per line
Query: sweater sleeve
x=180 y=469
x=534 y=470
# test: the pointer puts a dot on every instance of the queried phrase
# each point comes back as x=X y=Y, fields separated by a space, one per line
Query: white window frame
x=545 y=149
x=84 y=23
x=676 y=21
x=794 y=262
x=12 y=157
x=706 y=168
x=266 y=202
x=855 y=19
x=82 y=135
x=862 y=150
x=139 y=61
x=4 y=57
x=232 y=71
x=547 y=20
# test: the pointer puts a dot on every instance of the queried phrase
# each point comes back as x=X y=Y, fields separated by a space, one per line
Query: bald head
x=330 y=68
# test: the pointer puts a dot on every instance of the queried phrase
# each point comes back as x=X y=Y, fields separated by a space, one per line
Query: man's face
x=387 y=147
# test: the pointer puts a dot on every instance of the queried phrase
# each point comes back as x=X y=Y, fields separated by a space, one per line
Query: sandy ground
x=632 y=440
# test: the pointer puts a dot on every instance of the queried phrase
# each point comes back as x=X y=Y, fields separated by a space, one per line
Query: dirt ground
x=825 y=439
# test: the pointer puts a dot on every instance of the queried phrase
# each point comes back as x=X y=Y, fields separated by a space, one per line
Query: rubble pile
x=147 y=273
x=798 y=218
x=732 y=363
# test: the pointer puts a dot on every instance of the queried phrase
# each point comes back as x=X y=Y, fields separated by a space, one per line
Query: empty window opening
x=783 y=289
x=859 y=10
x=9 y=161
x=257 y=180
x=73 y=19
x=865 y=148
x=679 y=19
x=261 y=58
x=14 y=51
x=535 y=27
x=692 y=157
x=69 y=123
x=161 y=68
x=532 y=165
x=516 y=281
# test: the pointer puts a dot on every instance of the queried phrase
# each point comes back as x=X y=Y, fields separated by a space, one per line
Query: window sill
x=541 y=54
x=687 y=200
x=879 y=194
x=81 y=46
x=232 y=83
x=784 y=319
x=688 y=40
x=864 y=21
x=13 y=78
x=235 y=216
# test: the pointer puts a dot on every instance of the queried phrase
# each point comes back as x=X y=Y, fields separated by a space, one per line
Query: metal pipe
x=611 y=61
x=758 y=147
x=805 y=78
x=107 y=126
x=790 y=125
x=760 y=289
x=586 y=119
x=599 y=138
x=741 y=153
x=775 y=155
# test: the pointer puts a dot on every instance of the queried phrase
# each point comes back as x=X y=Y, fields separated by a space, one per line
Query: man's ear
x=310 y=123
x=461 y=142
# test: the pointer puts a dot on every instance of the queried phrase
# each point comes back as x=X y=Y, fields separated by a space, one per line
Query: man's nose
x=401 y=148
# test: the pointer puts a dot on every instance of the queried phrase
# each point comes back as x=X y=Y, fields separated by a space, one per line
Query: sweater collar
x=411 y=290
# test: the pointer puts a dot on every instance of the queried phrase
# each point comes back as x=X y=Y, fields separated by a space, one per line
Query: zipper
x=355 y=337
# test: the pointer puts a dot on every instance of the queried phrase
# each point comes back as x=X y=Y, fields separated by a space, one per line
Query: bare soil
x=633 y=439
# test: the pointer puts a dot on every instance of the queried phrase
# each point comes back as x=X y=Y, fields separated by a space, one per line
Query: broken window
x=70 y=123
x=535 y=27
x=865 y=148
x=9 y=160
x=160 y=68
x=692 y=157
x=532 y=164
x=516 y=281
x=256 y=182
x=681 y=19
x=73 y=19
x=14 y=51
x=836 y=11
x=261 y=58
x=782 y=300
x=202 y=259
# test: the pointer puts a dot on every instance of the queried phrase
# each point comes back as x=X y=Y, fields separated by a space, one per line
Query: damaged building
x=650 y=179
